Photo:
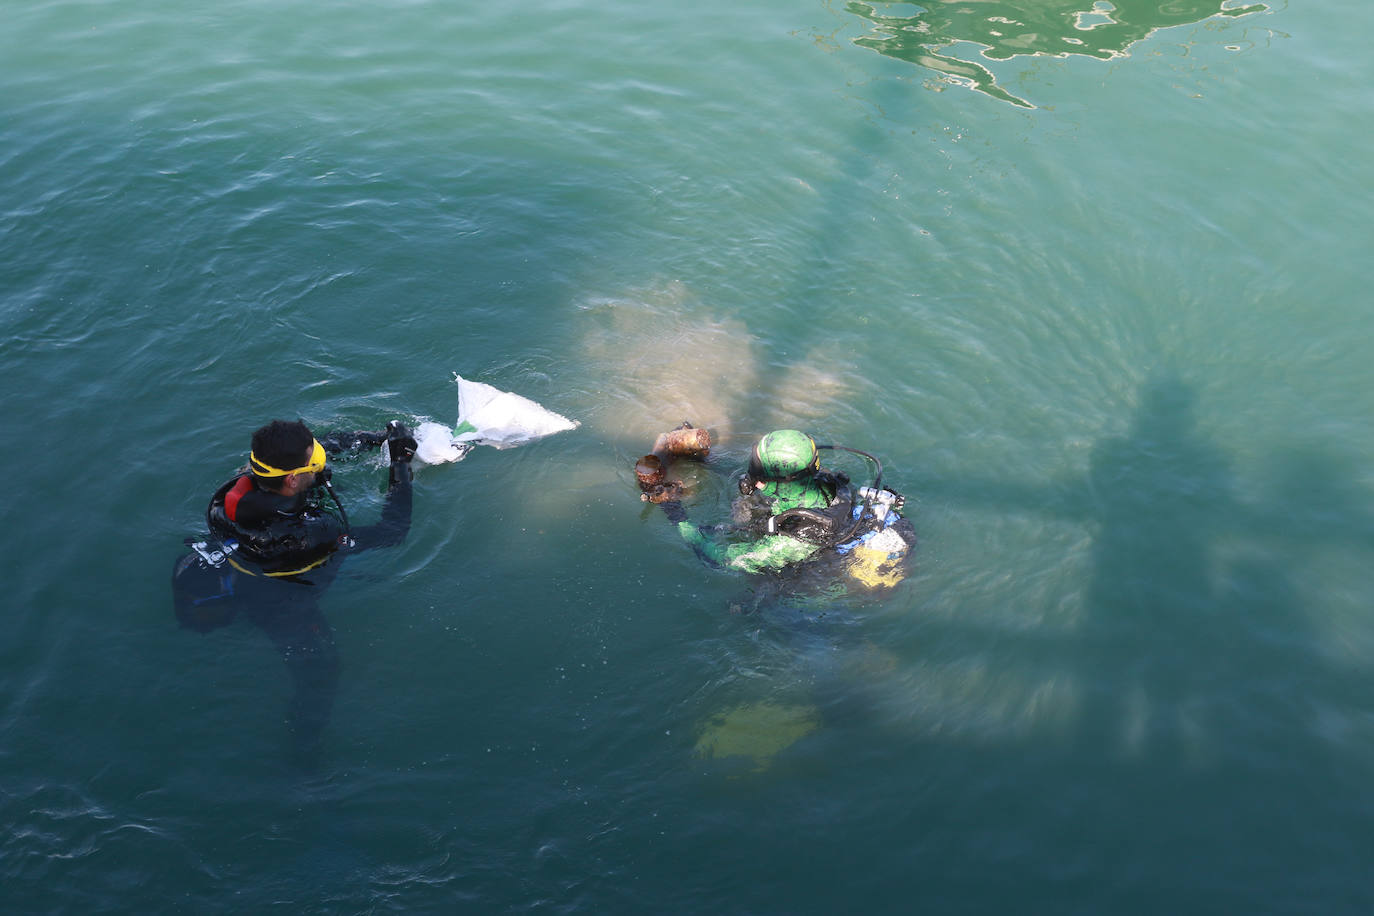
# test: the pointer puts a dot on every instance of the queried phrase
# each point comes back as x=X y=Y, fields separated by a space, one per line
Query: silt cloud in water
x=658 y=358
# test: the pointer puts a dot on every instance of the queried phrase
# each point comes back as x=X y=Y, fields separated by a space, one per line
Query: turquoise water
x=1087 y=279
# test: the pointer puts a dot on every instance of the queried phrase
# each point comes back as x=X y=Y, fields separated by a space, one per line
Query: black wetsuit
x=288 y=551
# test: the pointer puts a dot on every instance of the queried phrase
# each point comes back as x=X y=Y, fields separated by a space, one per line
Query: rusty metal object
x=651 y=471
x=652 y=474
x=684 y=442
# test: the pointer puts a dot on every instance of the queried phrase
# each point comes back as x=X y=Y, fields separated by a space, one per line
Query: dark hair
x=283 y=443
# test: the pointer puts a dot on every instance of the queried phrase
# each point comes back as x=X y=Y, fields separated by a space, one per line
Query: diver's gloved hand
x=673 y=509
x=691 y=533
x=400 y=442
x=710 y=553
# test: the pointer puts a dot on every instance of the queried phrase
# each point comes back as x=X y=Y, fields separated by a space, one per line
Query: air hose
x=866 y=493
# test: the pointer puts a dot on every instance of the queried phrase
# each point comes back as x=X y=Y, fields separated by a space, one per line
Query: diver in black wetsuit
x=275 y=527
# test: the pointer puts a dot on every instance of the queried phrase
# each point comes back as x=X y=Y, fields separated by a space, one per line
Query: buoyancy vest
x=873 y=540
x=820 y=513
x=277 y=535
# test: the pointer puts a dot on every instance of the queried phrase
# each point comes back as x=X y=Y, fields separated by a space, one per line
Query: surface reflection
x=1104 y=30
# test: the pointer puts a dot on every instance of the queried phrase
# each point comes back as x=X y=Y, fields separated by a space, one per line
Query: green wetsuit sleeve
x=707 y=548
x=772 y=552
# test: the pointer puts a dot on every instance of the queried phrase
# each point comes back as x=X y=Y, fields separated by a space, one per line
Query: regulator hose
x=877 y=477
x=867 y=503
x=324 y=478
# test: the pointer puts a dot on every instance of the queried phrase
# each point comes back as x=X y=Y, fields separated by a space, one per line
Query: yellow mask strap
x=316 y=464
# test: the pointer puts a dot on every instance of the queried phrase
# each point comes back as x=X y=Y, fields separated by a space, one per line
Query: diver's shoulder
x=258 y=508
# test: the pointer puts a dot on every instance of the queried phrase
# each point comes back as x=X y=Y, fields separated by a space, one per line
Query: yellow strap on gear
x=274 y=575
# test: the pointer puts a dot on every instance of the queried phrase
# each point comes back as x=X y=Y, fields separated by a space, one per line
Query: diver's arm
x=710 y=553
x=338 y=443
x=394 y=525
x=686 y=441
x=773 y=552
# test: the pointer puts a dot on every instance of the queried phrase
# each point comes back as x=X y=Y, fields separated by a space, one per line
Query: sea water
x=1087 y=278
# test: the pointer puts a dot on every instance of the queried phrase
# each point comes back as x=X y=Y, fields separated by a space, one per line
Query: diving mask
x=313 y=466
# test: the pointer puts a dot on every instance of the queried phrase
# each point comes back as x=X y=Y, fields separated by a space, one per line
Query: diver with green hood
x=792 y=511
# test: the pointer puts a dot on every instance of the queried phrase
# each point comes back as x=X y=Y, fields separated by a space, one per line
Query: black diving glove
x=673 y=509
x=400 y=443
